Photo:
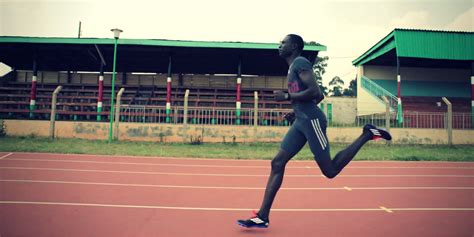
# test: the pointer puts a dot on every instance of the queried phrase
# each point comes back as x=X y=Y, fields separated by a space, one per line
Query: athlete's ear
x=294 y=46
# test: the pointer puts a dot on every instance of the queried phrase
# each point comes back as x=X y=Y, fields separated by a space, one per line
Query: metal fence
x=274 y=117
x=419 y=120
x=207 y=116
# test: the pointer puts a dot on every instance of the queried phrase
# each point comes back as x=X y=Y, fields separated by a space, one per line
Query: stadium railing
x=379 y=92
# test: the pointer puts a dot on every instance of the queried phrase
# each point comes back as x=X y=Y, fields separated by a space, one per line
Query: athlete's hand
x=281 y=96
x=290 y=117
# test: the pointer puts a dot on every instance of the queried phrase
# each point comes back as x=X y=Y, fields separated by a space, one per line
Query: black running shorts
x=308 y=130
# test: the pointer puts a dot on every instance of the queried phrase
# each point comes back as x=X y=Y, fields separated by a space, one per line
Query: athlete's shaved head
x=298 y=41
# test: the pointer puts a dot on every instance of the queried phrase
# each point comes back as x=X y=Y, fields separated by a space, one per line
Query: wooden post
x=117 y=113
x=450 y=120
x=185 y=116
x=53 y=111
x=255 y=110
x=387 y=113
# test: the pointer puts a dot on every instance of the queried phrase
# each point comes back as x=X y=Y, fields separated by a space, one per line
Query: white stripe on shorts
x=318 y=126
x=320 y=139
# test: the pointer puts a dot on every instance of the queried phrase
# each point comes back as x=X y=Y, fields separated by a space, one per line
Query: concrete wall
x=344 y=109
x=209 y=133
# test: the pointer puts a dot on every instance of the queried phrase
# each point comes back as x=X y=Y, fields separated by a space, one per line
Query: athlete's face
x=286 y=47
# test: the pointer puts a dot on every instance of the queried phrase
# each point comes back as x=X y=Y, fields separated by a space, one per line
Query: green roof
x=152 y=42
x=426 y=44
x=147 y=55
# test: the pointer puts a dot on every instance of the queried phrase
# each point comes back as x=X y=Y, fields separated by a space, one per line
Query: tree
x=336 y=84
x=312 y=43
x=352 y=90
x=319 y=68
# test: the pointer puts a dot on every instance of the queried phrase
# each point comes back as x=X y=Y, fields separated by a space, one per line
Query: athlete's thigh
x=294 y=140
x=315 y=133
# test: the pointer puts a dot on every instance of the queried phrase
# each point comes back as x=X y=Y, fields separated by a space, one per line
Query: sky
x=347 y=27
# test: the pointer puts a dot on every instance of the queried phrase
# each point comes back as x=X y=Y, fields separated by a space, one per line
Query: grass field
x=370 y=151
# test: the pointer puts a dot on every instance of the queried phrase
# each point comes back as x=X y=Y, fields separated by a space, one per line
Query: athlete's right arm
x=320 y=96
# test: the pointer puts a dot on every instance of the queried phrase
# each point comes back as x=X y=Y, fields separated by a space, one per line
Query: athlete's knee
x=330 y=174
x=280 y=161
x=327 y=168
x=278 y=165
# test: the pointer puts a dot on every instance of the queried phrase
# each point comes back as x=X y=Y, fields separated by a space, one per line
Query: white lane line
x=406 y=175
x=128 y=185
x=138 y=163
x=412 y=167
x=156 y=185
x=236 y=161
x=236 y=175
x=142 y=157
x=135 y=172
x=386 y=209
x=432 y=209
x=226 y=187
x=413 y=188
x=7 y=155
x=230 y=166
x=227 y=209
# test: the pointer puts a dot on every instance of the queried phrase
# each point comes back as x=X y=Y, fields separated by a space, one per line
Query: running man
x=309 y=126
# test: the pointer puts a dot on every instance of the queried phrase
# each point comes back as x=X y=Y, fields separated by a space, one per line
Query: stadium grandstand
x=232 y=83
x=222 y=79
x=414 y=70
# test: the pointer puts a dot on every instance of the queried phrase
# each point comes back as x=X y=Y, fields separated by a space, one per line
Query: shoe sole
x=256 y=226
x=387 y=136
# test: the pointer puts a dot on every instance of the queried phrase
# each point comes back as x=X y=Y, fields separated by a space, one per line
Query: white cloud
x=464 y=22
x=348 y=28
x=346 y=46
x=412 y=20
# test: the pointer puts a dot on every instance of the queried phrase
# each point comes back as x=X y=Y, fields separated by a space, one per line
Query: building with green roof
x=146 y=55
x=416 y=68
x=154 y=72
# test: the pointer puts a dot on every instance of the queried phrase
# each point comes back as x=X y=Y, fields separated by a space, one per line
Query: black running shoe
x=254 y=222
x=377 y=133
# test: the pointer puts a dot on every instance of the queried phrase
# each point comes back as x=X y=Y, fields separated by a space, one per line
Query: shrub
x=3 y=129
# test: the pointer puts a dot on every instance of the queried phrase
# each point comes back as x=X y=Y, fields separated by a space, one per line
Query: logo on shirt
x=293 y=87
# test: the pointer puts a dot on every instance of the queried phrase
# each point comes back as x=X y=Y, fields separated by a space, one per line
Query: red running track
x=87 y=195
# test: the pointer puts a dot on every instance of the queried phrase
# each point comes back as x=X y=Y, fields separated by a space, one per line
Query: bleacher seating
x=79 y=101
x=428 y=112
x=435 y=104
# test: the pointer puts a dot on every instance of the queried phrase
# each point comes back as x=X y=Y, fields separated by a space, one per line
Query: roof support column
x=399 y=94
x=33 y=89
x=238 y=103
x=124 y=78
x=472 y=95
x=101 y=93
x=69 y=77
x=168 y=92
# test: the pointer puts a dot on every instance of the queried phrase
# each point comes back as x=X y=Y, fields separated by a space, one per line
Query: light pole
x=111 y=116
